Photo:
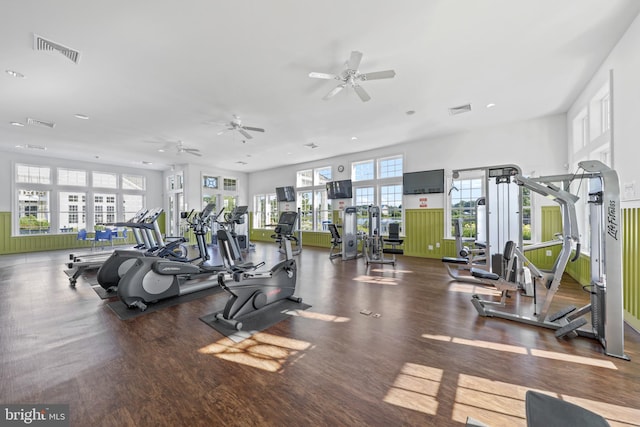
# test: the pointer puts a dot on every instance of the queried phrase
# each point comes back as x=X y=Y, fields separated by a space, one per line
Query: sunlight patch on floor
x=263 y=351
x=471 y=289
x=376 y=280
x=416 y=387
x=318 y=316
x=524 y=350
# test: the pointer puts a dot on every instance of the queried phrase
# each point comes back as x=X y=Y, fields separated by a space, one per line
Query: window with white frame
x=72 y=177
x=61 y=203
x=33 y=174
x=133 y=182
x=463 y=199
x=312 y=198
x=265 y=210
x=379 y=182
x=72 y=211
x=230 y=184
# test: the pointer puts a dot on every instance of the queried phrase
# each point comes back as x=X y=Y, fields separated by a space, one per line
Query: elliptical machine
x=151 y=279
x=120 y=261
x=253 y=290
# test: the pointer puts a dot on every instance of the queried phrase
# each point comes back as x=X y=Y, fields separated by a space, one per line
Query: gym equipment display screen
x=339 y=189
x=286 y=194
x=425 y=182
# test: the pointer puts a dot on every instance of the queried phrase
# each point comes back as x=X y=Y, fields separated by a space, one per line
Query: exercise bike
x=253 y=290
x=151 y=279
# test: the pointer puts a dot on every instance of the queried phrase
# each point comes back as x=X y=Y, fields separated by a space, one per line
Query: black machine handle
x=577 y=255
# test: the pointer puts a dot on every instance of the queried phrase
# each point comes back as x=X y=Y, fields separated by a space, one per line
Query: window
x=312 y=197
x=59 y=203
x=390 y=206
x=132 y=204
x=230 y=184
x=72 y=177
x=104 y=203
x=383 y=189
x=304 y=178
x=305 y=204
x=391 y=167
x=464 y=203
x=33 y=174
x=210 y=182
x=72 y=204
x=133 y=182
x=34 y=213
x=105 y=180
x=363 y=197
x=526 y=214
x=362 y=171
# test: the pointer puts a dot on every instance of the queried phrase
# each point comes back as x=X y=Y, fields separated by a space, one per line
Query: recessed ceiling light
x=160 y=150
x=491 y=105
x=15 y=74
x=17 y=124
x=144 y=162
x=410 y=112
x=81 y=116
x=354 y=138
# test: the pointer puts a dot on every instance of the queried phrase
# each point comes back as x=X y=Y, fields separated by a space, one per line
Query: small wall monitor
x=286 y=194
x=424 y=182
x=339 y=189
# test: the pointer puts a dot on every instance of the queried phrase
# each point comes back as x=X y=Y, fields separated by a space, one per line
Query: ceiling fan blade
x=252 y=129
x=378 y=75
x=334 y=91
x=364 y=96
x=323 y=76
x=193 y=152
x=354 y=60
x=245 y=133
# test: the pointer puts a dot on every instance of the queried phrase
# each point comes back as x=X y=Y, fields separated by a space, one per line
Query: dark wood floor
x=427 y=360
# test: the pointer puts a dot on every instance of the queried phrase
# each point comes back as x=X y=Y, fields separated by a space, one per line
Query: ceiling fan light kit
x=236 y=125
x=351 y=76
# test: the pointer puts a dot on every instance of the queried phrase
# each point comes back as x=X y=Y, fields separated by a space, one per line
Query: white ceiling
x=152 y=72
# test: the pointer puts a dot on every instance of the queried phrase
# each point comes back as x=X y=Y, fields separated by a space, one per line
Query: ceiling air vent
x=44 y=45
x=460 y=109
x=36 y=122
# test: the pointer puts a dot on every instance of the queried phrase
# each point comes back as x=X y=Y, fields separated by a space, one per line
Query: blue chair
x=117 y=234
x=82 y=235
x=103 y=236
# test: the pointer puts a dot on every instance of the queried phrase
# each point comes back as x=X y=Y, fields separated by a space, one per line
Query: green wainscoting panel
x=309 y=238
x=551 y=222
x=630 y=268
x=41 y=242
x=424 y=229
x=261 y=235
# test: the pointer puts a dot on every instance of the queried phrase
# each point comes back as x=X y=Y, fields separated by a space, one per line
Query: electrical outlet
x=549 y=253
x=437 y=244
x=430 y=247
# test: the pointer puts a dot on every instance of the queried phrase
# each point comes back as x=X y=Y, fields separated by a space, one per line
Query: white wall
x=537 y=146
x=624 y=60
x=8 y=159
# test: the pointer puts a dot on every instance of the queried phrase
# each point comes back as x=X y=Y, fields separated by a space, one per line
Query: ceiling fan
x=351 y=76
x=236 y=124
x=179 y=146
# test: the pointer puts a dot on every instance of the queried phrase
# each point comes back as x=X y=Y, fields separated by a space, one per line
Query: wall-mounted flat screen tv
x=339 y=189
x=425 y=182
x=286 y=194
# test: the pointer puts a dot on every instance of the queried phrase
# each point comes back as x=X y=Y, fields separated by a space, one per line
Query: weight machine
x=606 y=300
x=373 y=244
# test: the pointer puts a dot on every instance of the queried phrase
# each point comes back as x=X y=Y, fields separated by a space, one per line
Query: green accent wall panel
x=37 y=243
x=424 y=228
x=316 y=238
x=630 y=261
x=551 y=222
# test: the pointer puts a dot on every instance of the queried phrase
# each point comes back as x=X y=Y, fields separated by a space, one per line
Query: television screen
x=339 y=189
x=425 y=182
x=285 y=194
